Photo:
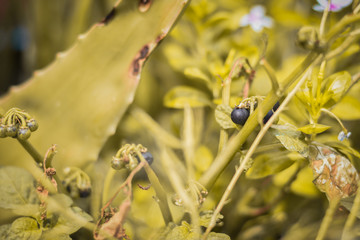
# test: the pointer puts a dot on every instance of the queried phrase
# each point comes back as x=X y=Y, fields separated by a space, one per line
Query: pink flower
x=335 y=5
x=256 y=19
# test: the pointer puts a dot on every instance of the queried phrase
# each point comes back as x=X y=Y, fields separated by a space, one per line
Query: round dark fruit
x=148 y=157
x=276 y=106
x=83 y=193
x=240 y=115
x=268 y=116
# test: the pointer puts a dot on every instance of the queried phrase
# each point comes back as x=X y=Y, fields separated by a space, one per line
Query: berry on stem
x=240 y=115
x=148 y=157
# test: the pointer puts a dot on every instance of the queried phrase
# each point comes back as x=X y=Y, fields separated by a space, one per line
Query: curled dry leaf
x=334 y=174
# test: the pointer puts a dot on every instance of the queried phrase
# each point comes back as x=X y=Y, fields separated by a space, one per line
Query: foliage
x=176 y=166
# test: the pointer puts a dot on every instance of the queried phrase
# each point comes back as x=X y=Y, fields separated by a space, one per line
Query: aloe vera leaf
x=79 y=99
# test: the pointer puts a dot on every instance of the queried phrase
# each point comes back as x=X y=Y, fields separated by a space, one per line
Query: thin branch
x=256 y=142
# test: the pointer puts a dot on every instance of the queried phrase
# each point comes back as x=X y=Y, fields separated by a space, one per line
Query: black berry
x=276 y=106
x=240 y=115
x=268 y=116
x=148 y=157
x=83 y=193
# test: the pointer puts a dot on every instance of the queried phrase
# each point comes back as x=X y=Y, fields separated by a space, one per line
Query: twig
x=250 y=152
x=234 y=144
x=327 y=219
x=352 y=216
x=127 y=192
x=31 y=150
x=224 y=135
x=159 y=190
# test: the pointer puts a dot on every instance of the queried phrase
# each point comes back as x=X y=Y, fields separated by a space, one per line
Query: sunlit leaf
x=180 y=96
x=344 y=148
x=18 y=192
x=4 y=231
x=335 y=86
x=218 y=236
x=348 y=204
x=196 y=73
x=289 y=136
x=203 y=158
x=223 y=116
x=265 y=165
x=314 y=128
x=348 y=108
x=303 y=184
x=25 y=228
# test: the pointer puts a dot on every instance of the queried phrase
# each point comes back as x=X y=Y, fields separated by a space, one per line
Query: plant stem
x=155 y=129
x=340 y=26
x=327 y=219
x=235 y=143
x=352 y=217
x=159 y=190
x=323 y=20
x=224 y=135
x=188 y=143
x=244 y=162
x=31 y=150
x=335 y=117
x=107 y=184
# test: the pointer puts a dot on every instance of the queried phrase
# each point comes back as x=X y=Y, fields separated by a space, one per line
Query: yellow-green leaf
x=196 y=73
x=180 y=96
x=348 y=108
x=265 y=165
x=79 y=99
x=223 y=116
x=24 y=228
x=289 y=136
x=17 y=190
x=334 y=88
x=314 y=128
x=203 y=158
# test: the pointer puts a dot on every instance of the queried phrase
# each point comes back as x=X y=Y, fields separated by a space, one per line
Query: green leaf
x=178 y=233
x=85 y=92
x=223 y=116
x=70 y=219
x=24 y=228
x=348 y=108
x=218 y=236
x=348 y=204
x=180 y=96
x=314 y=128
x=196 y=73
x=265 y=165
x=205 y=218
x=17 y=188
x=334 y=88
x=4 y=231
x=203 y=158
x=345 y=149
x=289 y=136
